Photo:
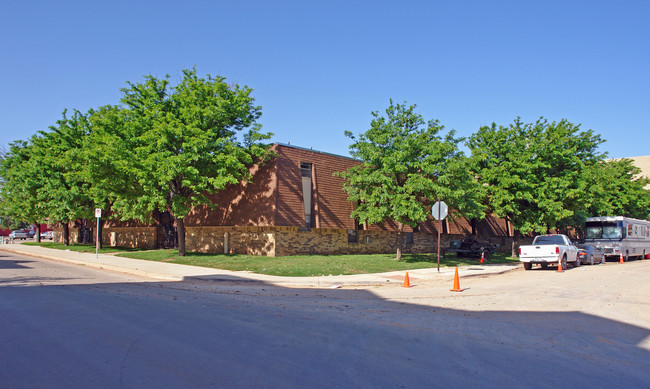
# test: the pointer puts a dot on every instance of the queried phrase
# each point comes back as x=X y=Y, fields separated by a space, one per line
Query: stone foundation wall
x=140 y=237
x=232 y=240
x=57 y=235
x=282 y=241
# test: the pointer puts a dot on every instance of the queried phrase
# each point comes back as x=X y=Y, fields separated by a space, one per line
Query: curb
x=202 y=274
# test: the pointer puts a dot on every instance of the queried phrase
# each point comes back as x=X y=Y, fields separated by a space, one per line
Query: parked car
x=472 y=247
x=590 y=254
x=30 y=233
x=551 y=248
x=47 y=235
x=18 y=234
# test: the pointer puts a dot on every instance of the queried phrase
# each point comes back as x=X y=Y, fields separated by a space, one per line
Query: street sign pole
x=439 y=228
x=439 y=212
x=98 y=214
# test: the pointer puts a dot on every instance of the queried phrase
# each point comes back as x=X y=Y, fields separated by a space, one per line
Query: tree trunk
x=66 y=234
x=513 y=234
x=514 y=253
x=400 y=231
x=100 y=226
x=38 y=232
x=180 y=224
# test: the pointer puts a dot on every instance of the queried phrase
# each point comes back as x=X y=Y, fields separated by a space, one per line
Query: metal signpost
x=98 y=214
x=439 y=212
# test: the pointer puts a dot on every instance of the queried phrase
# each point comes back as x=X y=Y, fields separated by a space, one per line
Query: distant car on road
x=590 y=254
x=47 y=235
x=18 y=234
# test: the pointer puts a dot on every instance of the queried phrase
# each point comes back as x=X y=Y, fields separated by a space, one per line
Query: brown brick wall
x=246 y=204
x=330 y=206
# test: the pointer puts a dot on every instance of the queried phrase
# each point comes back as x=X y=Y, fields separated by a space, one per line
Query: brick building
x=293 y=205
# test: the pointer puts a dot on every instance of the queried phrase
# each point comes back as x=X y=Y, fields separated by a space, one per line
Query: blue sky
x=320 y=68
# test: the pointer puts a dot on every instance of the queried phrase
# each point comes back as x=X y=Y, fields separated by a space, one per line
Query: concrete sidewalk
x=176 y=272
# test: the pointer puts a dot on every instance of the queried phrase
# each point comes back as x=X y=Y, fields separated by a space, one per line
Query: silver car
x=18 y=234
x=588 y=254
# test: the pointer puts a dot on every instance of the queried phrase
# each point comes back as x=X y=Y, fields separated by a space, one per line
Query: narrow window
x=305 y=173
x=409 y=238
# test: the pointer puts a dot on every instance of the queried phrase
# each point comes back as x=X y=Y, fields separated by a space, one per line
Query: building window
x=305 y=170
x=353 y=236
x=305 y=173
x=409 y=238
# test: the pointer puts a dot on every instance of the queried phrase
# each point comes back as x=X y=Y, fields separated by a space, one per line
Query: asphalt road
x=64 y=326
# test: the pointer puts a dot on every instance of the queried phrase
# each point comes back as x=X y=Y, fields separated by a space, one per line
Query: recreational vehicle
x=619 y=236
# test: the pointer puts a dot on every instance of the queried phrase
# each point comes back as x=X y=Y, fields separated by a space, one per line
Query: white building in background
x=643 y=163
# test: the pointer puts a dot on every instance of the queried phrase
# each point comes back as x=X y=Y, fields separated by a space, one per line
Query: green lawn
x=295 y=266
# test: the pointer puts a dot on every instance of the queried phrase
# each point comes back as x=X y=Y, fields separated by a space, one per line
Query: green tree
x=22 y=186
x=406 y=166
x=182 y=144
x=615 y=187
x=62 y=157
x=107 y=157
x=533 y=174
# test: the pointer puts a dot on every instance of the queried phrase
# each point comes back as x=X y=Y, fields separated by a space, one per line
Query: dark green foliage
x=407 y=164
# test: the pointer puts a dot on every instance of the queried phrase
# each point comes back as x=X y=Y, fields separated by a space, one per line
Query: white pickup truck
x=547 y=249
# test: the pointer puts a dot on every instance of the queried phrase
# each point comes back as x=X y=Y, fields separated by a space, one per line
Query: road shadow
x=235 y=333
x=6 y=263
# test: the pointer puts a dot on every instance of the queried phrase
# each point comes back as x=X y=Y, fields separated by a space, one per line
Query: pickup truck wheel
x=577 y=262
x=564 y=263
x=591 y=260
x=528 y=265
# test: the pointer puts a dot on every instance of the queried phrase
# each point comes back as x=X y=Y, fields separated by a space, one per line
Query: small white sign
x=439 y=210
x=98 y=212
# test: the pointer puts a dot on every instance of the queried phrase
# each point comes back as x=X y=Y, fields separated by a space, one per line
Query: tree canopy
x=406 y=165
x=167 y=148
x=183 y=144
x=535 y=174
x=615 y=187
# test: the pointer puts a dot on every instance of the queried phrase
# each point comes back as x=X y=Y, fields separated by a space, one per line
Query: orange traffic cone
x=482 y=257
x=559 y=266
x=621 y=259
x=407 y=284
x=456 y=284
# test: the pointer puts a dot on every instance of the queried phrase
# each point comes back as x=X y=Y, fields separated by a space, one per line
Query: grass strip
x=291 y=266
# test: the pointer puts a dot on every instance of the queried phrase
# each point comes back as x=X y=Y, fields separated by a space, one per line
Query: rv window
x=612 y=232
x=604 y=230
x=594 y=232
